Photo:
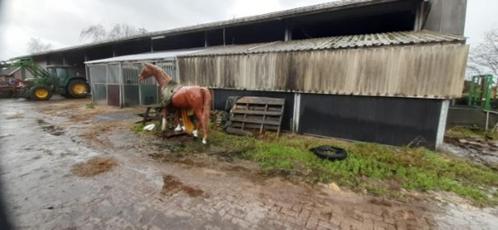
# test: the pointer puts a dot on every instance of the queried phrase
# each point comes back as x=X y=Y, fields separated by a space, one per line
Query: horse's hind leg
x=201 y=120
x=177 y=121
x=195 y=132
x=165 y=117
x=205 y=124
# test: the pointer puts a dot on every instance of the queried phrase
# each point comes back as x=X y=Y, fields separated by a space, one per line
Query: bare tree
x=94 y=33
x=483 y=58
x=124 y=30
x=35 y=45
x=99 y=33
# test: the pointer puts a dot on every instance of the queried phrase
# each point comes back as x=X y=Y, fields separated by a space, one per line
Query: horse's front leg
x=164 y=121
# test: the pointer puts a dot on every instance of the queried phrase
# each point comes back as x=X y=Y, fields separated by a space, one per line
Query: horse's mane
x=164 y=74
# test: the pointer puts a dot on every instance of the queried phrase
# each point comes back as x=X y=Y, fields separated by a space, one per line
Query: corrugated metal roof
x=167 y=55
x=340 y=42
x=278 y=15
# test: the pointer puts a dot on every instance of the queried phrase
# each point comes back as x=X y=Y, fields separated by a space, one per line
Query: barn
x=391 y=88
x=369 y=70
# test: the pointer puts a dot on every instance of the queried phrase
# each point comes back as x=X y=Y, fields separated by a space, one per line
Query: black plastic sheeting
x=394 y=121
x=221 y=95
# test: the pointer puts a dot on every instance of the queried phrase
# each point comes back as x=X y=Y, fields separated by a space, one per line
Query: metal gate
x=113 y=84
x=98 y=81
x=117 y=83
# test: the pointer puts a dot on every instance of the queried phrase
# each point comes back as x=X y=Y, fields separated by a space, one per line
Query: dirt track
x=149 y=189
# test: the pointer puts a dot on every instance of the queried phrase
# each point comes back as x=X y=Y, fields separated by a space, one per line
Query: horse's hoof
x=204 y=141
x=183 y=128
x=178 y=129
x=195 y=133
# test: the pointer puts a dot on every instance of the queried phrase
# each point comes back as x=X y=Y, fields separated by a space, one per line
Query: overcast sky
x=59 y=22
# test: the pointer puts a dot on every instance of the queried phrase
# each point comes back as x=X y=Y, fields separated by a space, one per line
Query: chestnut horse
x=185 y=98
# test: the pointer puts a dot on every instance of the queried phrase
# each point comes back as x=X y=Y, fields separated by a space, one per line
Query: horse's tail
x=206 y=95
x=187 y=122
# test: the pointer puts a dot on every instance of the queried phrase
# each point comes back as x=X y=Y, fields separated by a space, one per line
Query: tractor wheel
x=77 y=88
x=41 y=93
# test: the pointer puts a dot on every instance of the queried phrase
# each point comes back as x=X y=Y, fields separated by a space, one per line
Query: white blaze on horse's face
x=141 y=76
x=145 y=73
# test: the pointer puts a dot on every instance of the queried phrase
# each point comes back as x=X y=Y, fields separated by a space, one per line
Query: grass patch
x=378 y=169
x=461 y=132
x=139 y=128
x=90 y=106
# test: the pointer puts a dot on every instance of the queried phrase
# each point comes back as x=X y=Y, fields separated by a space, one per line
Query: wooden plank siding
x=418 y=71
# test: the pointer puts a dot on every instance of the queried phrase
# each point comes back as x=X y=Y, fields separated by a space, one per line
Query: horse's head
x=147 y=71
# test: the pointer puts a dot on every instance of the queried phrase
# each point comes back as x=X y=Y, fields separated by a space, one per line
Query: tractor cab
x=70 y=81
x=64 y=72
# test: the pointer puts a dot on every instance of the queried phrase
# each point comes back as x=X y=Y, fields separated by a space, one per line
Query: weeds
x=90 y=105
x=377 y=169
x=460 y=132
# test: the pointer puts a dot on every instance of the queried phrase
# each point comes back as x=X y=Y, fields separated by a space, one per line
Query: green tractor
x=64 y=80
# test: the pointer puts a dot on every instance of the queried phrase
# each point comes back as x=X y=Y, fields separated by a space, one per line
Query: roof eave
x=279 y=15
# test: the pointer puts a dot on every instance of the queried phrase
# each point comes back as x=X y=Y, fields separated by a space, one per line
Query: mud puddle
x=173 y=185
x=94 y=166
x=237 y=167
x=49 y=128
x=483 y=152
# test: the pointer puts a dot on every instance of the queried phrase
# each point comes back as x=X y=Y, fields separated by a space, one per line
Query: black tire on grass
x=330 y=153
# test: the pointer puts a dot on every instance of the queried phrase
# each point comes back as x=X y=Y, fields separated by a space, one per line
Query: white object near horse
x=150 y=127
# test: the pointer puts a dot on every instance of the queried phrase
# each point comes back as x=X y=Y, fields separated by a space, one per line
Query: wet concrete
x=42 y=141
x=479 y=151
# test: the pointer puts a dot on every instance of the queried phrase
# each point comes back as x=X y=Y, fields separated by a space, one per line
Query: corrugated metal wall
x=421 y=71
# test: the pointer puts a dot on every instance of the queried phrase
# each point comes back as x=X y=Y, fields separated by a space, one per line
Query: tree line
x=93 y=33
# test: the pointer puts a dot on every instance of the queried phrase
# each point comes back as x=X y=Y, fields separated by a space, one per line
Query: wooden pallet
x=257 y=114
